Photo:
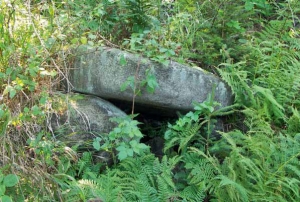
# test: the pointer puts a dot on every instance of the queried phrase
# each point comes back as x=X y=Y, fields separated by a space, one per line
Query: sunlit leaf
x=10 y=180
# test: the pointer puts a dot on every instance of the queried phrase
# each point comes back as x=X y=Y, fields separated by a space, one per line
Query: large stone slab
x=81 y=118
x=100 y=72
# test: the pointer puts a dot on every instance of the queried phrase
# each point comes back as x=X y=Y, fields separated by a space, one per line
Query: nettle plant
x=125 y=139
x=136 y=84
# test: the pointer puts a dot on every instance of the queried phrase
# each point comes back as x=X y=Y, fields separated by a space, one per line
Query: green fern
x=183 y=137
x=238 y=80
x=258 y=167
x=138 y=179
x=192 y=193
x=267 y=80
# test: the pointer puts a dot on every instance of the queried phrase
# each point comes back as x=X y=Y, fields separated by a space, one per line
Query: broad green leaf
x=1 y=176
x=165 y=62
x=162 y=50
x=143 y=146
x=117 y=130
x=168 y=134
x=11 y=90
x=128 y=82
x=133 y=143
x=121 y=147
x=249 y=5
x=123 y=60
x=5 y=198
x=96 y=143
x=83 y=40
x=43 y=100
x=12 y=93
x=35 y=110
x=130 y=152
x=26 y=109
x=122 y=155
x=171 y=52
x=74 y=40
x=10 y=180
x=193 y=116
x=33 y=71
x=2 y=112
x=125 y=43
x=2 y=75
x=2 y=189
x=91 y=43
x=9 y=71
x=151 y=83
x=92 y=36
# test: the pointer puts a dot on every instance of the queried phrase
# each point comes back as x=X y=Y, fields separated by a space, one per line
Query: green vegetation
x=254 y=45
x=9 y=180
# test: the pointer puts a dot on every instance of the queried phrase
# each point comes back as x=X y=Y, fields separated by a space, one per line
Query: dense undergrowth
x=254 y=45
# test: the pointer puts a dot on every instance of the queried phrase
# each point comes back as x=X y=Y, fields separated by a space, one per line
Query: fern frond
x=235 y=191
x=192 y=193
x=188 y=135
x=201 y=170
x=238 y=81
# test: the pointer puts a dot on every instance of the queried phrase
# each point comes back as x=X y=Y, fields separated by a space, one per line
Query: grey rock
x=81 y=118
x=100 y=73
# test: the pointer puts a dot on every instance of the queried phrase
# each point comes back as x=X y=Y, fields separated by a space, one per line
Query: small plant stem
x=207 y=137
x=136 y=76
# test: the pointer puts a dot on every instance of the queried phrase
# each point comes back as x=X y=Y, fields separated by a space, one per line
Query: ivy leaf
x=10 y=180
